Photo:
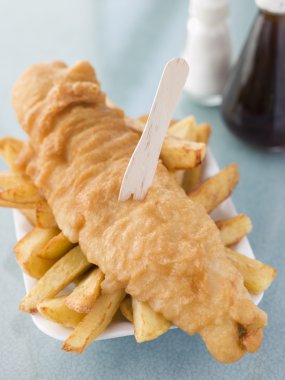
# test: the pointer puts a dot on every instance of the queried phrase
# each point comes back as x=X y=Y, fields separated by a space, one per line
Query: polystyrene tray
x=122 y=327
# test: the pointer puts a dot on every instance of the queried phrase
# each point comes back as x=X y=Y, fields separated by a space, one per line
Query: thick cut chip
x=10 y=180
x=55 y=279
x=56 y=247
x=185 y=129
x=216 y=189
x=44 y=215
x=85 y=294
x=256 y=275
x=56 y=311
x=148 y=324
x=10 y=149
x=176 y=153
x=189 y=130
x=126 y=308
x=23 y=194
x=191 y=178
x=234 y=229
x=8 y=204
x=95 y=322
x=27 y=248
x=203 y=133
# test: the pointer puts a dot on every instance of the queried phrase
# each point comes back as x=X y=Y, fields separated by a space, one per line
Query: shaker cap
x=272 y=6
x=209 y=11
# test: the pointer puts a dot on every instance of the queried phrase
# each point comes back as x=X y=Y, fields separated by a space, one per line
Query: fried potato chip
x=10 y=180
x=55 y=310
x=44 y=215
x=148 y=324
x=56 y=247
x=185 y=129
x=55 y=279
x=126 y=308
x=10 y=149
x=87 y=291
x=217 y=188
x=176 y=153
x=94 y=323
x=25 y=194
x=26 y=251
x=257 y=276
x=234 y=229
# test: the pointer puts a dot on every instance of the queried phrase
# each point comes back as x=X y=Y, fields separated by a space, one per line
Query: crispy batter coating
x=164 y=250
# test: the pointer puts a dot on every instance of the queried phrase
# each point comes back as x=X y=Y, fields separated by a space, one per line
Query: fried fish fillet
x=164 y=250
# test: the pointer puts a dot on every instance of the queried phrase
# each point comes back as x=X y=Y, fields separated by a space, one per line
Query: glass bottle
x=254 y=98
x=208 y=50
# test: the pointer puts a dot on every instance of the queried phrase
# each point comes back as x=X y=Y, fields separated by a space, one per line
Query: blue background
x=129 y=42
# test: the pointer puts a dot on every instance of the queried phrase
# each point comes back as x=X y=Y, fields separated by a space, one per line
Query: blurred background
x=128 y=42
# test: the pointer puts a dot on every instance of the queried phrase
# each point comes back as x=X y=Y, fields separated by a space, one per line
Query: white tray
x=122 y=328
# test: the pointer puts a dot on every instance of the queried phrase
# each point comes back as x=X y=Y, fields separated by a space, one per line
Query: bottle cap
x=209 y=11
x=272 y=6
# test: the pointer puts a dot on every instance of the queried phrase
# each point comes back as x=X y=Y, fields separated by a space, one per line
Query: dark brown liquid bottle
x=254 y=98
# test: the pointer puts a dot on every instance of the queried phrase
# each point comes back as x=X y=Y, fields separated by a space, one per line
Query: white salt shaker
x=208 y=50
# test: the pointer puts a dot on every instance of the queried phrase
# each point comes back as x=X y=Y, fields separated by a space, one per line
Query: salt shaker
x=208 y=50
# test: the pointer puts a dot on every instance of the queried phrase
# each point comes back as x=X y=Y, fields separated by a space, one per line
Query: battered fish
x=164 y=250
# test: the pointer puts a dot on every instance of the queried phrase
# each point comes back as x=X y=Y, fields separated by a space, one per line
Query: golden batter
x=164 y=250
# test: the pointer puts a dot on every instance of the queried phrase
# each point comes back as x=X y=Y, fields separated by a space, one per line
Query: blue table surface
x=129 y=42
